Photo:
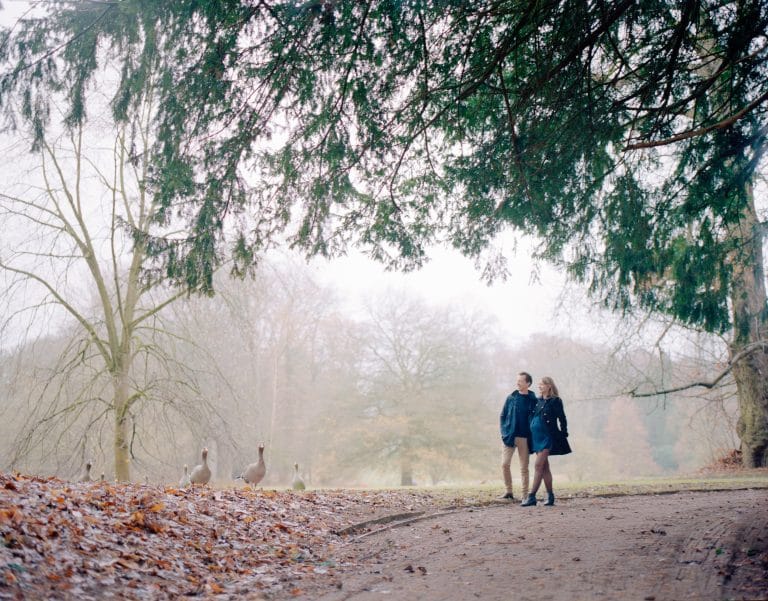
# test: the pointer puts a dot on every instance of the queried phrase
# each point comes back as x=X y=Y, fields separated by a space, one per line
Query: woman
x=548 y=439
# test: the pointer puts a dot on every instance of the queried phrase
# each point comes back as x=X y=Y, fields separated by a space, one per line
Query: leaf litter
x=101 y=540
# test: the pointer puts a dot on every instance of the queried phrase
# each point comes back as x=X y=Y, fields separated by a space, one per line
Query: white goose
x=86 y=477
x=255 y=472
x=184 y=482
x=201 y=474
x=298 y=483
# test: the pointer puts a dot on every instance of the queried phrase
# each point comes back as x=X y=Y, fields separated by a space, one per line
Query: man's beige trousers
x=521 y=444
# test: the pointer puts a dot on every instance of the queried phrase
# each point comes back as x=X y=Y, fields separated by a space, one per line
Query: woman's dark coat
x=551 y=412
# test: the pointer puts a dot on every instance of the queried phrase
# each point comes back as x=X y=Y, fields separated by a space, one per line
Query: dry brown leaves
x=84 y=540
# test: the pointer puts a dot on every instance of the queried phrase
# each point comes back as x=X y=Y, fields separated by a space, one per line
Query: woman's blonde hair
x=552 y=387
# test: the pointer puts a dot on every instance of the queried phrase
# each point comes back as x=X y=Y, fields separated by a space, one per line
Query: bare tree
x=68 y=262
x=422 y=408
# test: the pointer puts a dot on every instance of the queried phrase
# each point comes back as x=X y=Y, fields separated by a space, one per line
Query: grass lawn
x=484 y=494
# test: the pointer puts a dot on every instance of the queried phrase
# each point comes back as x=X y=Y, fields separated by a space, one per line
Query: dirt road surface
x=688 y=545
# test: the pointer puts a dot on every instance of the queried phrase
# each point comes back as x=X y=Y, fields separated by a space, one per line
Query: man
x=516 y=432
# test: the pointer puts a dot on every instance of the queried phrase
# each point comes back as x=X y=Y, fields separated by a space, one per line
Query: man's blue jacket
x=515 y=417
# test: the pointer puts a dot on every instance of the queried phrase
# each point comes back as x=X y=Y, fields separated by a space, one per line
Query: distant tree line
x=404 y=392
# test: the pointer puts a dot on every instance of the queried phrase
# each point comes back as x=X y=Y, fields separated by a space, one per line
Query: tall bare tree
x=68 y=259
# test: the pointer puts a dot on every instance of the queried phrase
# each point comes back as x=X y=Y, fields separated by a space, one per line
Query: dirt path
x=694 y=545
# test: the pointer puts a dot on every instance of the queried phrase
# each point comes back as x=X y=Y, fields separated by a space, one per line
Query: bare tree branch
x=745 y=352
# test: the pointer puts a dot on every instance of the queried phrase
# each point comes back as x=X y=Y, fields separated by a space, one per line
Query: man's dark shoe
x=531 y=500
x=509 y=496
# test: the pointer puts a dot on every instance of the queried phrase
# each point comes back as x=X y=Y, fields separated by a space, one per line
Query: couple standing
x=530 y=424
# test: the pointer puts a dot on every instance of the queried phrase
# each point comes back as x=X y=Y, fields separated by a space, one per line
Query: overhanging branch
x=694 y=133
x=743 y=353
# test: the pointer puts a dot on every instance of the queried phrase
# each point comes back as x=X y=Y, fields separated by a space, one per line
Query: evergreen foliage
x=620 y=132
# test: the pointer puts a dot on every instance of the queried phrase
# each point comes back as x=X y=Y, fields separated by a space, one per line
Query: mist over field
x=405 y=391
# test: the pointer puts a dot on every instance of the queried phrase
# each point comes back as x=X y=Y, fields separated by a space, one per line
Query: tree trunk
x=121 y=405
x=406 y=469
x=752 y=427
x=750 y=326
x=275 y=392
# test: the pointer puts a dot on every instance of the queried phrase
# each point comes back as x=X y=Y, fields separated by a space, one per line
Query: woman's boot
x=550 y=498
x=531 y=500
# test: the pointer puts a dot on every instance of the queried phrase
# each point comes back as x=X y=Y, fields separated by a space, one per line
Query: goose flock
x=201 y=474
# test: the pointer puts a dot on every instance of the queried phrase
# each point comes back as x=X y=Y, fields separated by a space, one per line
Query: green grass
x=649 y=486
x=485 y=494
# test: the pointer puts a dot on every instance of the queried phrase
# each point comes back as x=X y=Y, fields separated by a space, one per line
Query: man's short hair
x=527 y=376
